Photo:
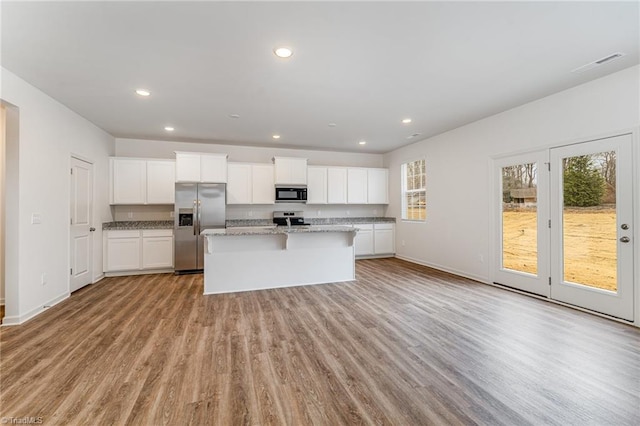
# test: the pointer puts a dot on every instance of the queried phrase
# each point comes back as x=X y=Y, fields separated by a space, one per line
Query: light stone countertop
x=137 y=224
x=276 y=230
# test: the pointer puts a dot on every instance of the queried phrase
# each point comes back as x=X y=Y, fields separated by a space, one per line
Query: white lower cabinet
x=157 y=249
x=123 y=251
x=375 y=239
x=363 y=243
x=138 y=251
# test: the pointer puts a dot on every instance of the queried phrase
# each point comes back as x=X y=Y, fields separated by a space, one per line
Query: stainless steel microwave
x=291 y=194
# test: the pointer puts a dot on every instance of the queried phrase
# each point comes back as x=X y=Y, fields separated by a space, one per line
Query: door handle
x=624 y=240
x=92 y=229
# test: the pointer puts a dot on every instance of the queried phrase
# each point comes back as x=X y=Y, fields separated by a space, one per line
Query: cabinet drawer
x=157 y=233
x=384 y=225
x=123 y=234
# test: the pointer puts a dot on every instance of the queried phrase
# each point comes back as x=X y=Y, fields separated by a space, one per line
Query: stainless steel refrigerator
x=198 y=206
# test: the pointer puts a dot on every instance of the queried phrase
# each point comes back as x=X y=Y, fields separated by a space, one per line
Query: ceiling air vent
x=413 y=135
x=599 y=62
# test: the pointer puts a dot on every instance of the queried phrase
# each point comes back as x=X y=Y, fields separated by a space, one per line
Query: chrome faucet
x=288 y=222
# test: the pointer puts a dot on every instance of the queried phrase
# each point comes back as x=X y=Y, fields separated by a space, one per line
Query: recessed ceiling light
x=362 y=142
x=234 y=115
x=143 y=92
x=406 y=120
x=283 y=52
x=276 y=136
x=169 y=129
x=332 y=124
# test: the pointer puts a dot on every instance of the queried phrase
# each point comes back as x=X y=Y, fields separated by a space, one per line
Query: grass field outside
x=590 y=244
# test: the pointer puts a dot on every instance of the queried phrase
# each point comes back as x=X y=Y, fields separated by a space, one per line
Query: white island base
x=244 y=260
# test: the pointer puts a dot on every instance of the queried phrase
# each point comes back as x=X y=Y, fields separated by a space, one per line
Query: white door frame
x=618 y=304
x=539 y=283
x=90 y=245
x=493 y=208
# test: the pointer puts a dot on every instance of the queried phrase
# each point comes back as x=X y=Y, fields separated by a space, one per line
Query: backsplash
x=165 y=212
x=126 y=213
x=310 y=210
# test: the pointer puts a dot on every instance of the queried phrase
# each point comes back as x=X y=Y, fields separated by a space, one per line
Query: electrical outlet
x=250 y=213
x=348 y=212
x=481 y=258
x=375 y=212
x=319 y=212
x=36 y=218
x=43 y=278
x=171 y=215
x=130 y=215
x=402 y=243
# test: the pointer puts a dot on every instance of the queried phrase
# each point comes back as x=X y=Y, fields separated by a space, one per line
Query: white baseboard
x=21 y=319
x=98 y=278
x=143 y=272
x=478 y=278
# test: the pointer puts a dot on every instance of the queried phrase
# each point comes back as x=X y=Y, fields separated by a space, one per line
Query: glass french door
x=591 y=225
x=522 y=237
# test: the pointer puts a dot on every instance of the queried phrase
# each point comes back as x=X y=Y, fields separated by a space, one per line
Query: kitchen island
x=256 y=258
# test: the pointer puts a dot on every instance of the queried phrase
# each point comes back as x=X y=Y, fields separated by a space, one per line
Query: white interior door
x=591 y=229
x=521 y=246
x=81 y=214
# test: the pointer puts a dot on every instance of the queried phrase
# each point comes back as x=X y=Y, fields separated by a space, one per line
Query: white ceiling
x=362 y=65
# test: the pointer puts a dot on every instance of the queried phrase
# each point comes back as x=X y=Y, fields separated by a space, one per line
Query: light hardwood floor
x=403 y=345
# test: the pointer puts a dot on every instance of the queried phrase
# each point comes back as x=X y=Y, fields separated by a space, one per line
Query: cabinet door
x=129 y=181
x=317 y=185
x=187 y=167
x=290 y=171
x=263 y=187
x=213 y=168
x=123 y=254
x=363 y=243
x=336 y=185
x=299 y=171
x=239 y=184
x=357 y=186
x=161 y=177
x=378 y=186
x=384 y=239
x=157 y=252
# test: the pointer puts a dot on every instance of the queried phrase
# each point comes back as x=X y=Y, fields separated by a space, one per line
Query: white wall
x=456 y=234
x=49 y=133
x=2 y=197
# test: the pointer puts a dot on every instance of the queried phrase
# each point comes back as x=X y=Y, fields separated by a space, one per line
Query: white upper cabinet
x=250 y=184
x=357 y=186
x=263 y=186
x=378 y=186
x=140 y=181
x=201 y=167
x=316 y=185
x=336 y=185
x=128 y=181
x=161 y=177
x=290 y=171
x=213 y=168
x=239 y=183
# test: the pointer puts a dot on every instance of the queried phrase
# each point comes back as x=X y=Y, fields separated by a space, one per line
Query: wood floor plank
x=401 y=345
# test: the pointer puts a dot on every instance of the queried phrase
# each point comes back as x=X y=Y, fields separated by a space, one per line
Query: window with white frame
x=414 y=192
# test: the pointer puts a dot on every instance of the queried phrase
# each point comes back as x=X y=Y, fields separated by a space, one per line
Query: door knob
x=92 y=229
x=624 y=226
x=624 y=239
